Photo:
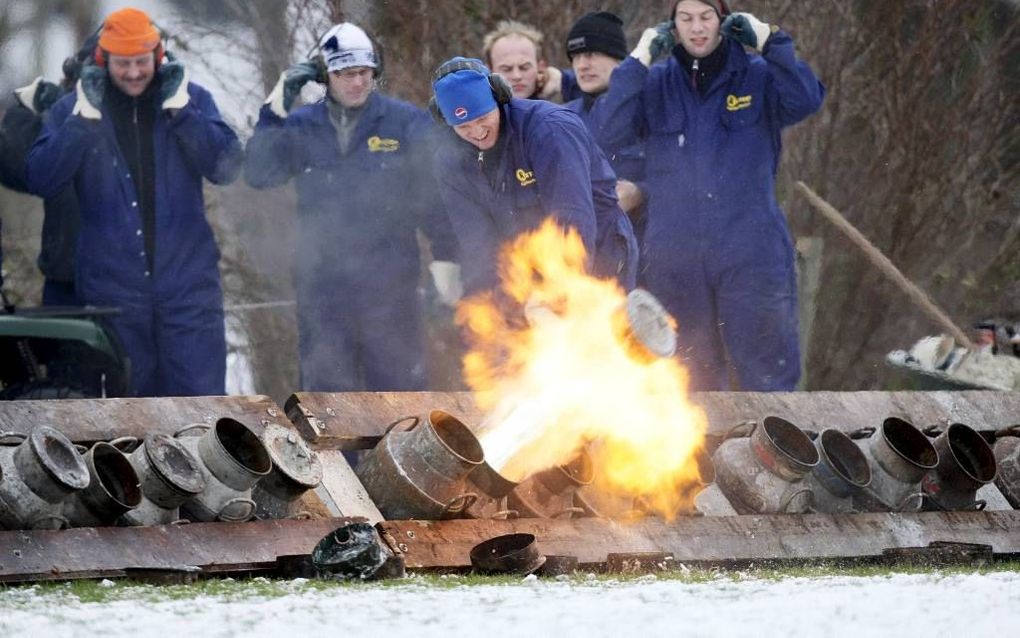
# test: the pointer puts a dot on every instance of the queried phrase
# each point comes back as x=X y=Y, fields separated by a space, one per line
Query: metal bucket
x=296 y=469
x=113 y=489
x=420 y=472
x=966 y=463
x=168 y=474
x=550 y=493
x=1007 y=455
x=233 y=459
x=35 y=478
x=843 y=471
x=899 y=455
x=761 y=473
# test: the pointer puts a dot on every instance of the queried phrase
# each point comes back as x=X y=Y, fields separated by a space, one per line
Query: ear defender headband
x=501 y=90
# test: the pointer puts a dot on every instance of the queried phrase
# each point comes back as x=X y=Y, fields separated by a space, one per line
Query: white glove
x=446 y=277
x=654 y=42
x=174 y=87
x=747 y=30
x=82 y=105
x=552 y=84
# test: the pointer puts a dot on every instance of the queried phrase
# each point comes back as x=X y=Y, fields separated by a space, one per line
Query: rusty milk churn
x=1007 y=455
x=761 y=473
x=113 y=489
x=550 y=493
x=421 y=472
x=232 y=460
x=966 y=463
x=296 y=469
x=36 y=476
x=899 y=455
x=842 y=471
x=169 y=475
x=492 y=488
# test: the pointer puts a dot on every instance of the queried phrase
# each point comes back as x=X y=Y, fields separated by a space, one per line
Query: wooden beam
x=357 y=420
x=111 y=552
x=447 y=544
x=89 y=420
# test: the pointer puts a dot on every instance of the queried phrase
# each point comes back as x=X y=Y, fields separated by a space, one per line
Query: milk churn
x=112 y=491
x=762 y=473
x=492 y=488
x=168 y=474
x=36 y=476
x=232 y=459
x=550 y=493
x=296 y=469
x=842 y=471
x=421 y=472
x=899 y=455
x=966 y=463
x=1007 y=455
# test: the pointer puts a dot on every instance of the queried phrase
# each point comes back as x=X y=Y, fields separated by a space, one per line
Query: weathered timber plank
x=88 y=420
x=356 y=420
x=343 y=489
x=95 y=552
x=446 y=544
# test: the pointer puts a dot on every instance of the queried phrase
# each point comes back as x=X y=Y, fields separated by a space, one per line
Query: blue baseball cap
x=465 y=94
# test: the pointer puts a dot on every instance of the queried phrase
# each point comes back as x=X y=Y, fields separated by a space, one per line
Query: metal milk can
x=168 y=474
x=1007 y=455
x=421 y=472
x=843 y=471
x=232 y=460
x=761 y=473
x=899 y=455
x=550 y=493
x=966 y=463
x=36 y=476
x=296 y=469
x=113 y=489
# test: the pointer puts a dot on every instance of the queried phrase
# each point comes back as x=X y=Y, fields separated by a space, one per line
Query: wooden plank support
x=89 y=420
x=111 y=552
x=734 y=539
x=356 y=420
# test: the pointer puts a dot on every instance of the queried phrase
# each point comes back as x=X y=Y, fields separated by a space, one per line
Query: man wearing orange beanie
x=135 y=140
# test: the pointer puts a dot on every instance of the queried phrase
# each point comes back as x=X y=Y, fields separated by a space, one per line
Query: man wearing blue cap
x=516 y=163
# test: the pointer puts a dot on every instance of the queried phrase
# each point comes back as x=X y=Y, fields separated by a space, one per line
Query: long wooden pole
x=880 y=261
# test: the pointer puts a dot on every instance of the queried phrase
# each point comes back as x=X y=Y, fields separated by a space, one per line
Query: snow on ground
x=928 y=605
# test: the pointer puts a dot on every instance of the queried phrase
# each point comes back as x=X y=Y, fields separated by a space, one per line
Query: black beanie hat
x=601 y=32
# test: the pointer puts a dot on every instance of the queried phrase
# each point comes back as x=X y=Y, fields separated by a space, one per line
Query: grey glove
x=747 y=30
x=90 y=89
x=654 y=43
x=173 y=88
x=287 y=88
x=38 y=96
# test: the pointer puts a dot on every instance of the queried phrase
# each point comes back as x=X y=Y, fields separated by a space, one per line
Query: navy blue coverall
x=171 y=321
x=357 y=262
x=550 y=167
x=717 y=247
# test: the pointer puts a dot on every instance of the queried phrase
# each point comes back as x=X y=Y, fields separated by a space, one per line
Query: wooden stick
x=880 y=261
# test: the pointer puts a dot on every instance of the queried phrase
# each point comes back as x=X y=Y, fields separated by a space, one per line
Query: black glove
x=38 y=96
x=747 y=30
x=289 y=86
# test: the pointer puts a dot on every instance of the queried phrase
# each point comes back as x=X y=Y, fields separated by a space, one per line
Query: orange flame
x=563 y=378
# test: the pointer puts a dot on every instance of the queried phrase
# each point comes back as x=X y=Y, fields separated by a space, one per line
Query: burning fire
x=566 y=377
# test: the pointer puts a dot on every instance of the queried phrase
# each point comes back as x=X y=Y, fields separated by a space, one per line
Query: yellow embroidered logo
x=378 y=144
x=734 y=103
x=526 y=178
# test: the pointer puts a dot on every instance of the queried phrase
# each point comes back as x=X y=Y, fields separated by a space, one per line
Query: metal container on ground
x=492 y=489
x=550 y=493
x=113 y=489
x=168 y=474
x=899 y=455
x=761 y=473
x=842 y=471
x=1007 y=455
x=966 y=463
x=233 y=459
x=421 y=472
x=36 y=476
x=296 y=469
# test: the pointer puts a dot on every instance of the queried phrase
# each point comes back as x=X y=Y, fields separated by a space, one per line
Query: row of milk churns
x=774 y=467
x=219 y=472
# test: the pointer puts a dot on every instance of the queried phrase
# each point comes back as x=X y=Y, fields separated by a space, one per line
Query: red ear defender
x=100 y=57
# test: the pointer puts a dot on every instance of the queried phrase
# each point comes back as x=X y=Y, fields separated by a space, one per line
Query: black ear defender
x=501 y=90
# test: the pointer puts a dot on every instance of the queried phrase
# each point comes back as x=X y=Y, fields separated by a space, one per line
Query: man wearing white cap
x=364 y=187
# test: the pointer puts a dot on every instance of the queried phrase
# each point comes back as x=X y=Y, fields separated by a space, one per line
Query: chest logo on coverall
x=526 y=178
x=734 y=103
x=378 y=144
